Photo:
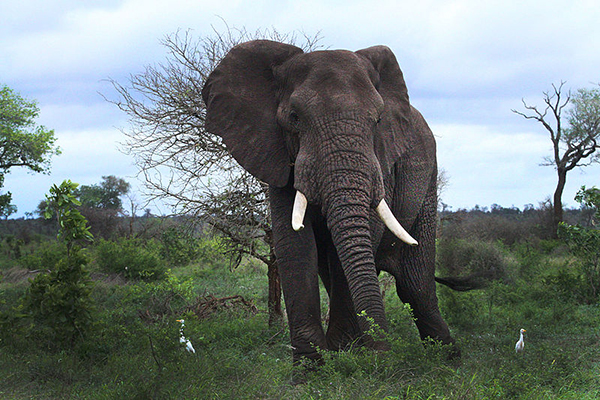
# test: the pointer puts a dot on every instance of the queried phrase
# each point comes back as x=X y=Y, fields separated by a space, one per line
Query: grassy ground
x=133 y=352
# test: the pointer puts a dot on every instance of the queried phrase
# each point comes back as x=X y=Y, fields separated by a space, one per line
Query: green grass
x=133 y=351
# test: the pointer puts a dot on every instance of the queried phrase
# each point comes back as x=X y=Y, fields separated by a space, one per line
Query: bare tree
x=574 y=143
x=443 y=181
x=186 y=167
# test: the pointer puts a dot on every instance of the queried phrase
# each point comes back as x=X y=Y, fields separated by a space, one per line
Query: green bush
x=584 y=243
x=45 y=257
x=464 y=257
x=179 y=246
x=133 y=258
x=59 y=302
x=211 y=250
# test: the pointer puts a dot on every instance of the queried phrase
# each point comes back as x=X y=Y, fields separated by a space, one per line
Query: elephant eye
x=294 y=118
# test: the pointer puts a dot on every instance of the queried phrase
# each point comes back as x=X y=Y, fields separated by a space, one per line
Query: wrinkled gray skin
x=338 y=126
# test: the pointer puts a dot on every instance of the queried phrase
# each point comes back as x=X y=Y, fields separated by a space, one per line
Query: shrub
x=585 y=242
x=133 y=258
x=59 y=301
x=45 y=257
x=474 y=258
x=179 y=246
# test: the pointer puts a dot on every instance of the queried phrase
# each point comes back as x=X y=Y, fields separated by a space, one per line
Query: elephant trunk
x=347 y=215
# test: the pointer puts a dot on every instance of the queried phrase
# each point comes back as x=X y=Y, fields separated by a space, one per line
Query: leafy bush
x=133 y=258
x=59 y=302
x=45 y=257
x=481 y=259
x=211 y=251
x=584 y=243
x=179 y=246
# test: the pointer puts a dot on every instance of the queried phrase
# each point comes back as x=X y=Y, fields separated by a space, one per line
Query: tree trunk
x=558 y=208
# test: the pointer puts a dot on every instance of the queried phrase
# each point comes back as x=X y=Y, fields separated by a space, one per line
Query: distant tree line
x=509 y=224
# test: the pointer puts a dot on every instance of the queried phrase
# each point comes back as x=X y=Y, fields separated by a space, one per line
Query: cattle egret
x=184 y=340
x=520 y=345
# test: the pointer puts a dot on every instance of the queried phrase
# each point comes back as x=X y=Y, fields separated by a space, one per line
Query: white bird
x=183 y=339
x=520 y=345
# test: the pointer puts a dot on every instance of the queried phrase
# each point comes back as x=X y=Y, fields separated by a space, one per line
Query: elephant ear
x=241 y=98
x=391 y=139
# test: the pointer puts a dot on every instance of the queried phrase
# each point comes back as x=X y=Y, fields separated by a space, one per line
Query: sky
x=467 y=64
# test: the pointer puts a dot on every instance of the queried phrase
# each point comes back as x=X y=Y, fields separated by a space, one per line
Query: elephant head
x=330 y=124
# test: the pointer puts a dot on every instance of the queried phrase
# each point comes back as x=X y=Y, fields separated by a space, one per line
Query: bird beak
x=178 y=320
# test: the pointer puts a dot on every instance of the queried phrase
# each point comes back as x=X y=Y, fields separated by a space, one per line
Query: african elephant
x=336 y=139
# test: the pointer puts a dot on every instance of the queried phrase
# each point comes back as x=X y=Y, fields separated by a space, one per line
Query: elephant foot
x=450 y=349
x=452 y=352
x=304 y=366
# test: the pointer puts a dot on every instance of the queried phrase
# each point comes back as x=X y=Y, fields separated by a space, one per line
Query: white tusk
x=392 y=223
x=300 y=203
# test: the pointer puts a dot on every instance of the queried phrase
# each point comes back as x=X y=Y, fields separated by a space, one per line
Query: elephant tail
x=465 y=283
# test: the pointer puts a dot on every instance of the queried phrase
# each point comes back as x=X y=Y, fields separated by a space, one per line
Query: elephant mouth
x=383 y=211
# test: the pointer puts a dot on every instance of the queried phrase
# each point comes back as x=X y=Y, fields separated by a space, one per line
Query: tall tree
x=185 y=166
x=107 y=195
x=575 y=143
x=23 y=143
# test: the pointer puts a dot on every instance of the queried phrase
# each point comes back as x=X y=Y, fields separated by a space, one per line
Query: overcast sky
x=466 y=64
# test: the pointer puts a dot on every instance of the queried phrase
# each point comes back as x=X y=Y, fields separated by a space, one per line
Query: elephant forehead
x=331 y=81
x=328 y=66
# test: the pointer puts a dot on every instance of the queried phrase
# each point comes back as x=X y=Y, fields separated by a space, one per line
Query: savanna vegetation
x=90 y=293
x=97 y=319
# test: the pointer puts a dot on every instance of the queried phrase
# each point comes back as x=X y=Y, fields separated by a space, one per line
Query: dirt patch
x=16 y=275
x=205 y=306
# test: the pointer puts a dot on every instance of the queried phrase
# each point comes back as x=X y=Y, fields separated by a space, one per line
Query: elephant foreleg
x=343 y=326
x=298 y=269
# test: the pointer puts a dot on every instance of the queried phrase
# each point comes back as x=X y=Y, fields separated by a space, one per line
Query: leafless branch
x=180 y=163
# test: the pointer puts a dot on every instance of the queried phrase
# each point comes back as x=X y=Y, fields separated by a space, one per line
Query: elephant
x=352 y=172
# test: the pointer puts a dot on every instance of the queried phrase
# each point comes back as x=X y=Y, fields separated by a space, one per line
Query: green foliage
x=6 y=208
x=134 y=258
x=45 y=257
x=59 y=302
x=583 y=119
x=480 y=259
x=130 y=348
x=62 y=203
x=22 y=142
x=179 y=246
x=106 y=195
x=134 y=352
x=584 y=243
x=589 y=198
x=13 y=245
x=157 y=300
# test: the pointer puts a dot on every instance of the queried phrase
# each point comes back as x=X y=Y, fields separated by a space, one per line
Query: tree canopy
x=23 y=143
x=106 y=195
x=575 y=141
